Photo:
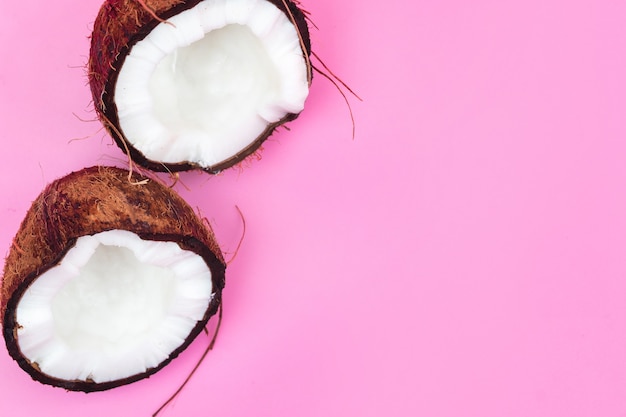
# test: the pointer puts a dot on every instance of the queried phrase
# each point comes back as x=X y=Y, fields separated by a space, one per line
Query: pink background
x=465 y=255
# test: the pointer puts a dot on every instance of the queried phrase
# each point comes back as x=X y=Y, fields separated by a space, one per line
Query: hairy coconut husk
x=88 y=202
x=120 y=24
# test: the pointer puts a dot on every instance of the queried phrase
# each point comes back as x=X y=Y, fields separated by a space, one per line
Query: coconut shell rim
x=9 y=330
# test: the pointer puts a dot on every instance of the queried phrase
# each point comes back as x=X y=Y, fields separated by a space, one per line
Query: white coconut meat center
x=203 y=86
x=115 y=306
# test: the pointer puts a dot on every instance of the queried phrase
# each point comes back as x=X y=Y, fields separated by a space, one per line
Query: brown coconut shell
x=120 y=24
x=91 y=201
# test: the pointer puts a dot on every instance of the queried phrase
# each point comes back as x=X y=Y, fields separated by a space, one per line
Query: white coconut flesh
x=206 y=84
x=115 y=306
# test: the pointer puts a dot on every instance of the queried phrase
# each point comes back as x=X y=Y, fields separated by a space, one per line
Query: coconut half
x=197 y=84
x=108 y=279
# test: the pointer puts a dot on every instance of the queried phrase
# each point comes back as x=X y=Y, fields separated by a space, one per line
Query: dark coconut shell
x=91 y=201
x=120 y=24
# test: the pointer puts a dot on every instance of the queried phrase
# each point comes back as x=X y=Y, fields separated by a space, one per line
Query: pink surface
x=465 y=255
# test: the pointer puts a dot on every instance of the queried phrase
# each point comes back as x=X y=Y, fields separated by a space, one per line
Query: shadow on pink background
x=463 y=256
